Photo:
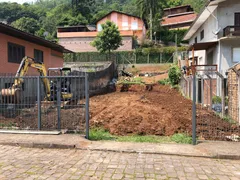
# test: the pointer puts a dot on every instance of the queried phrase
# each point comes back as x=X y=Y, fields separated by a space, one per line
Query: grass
x=7 y=125
x=164 y=81
x=226 y=118
x=98 y=134
x=136 y=80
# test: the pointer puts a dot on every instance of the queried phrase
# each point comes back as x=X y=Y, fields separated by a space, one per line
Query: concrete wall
x=51 y=58
x=225 y=14
x=82 y=44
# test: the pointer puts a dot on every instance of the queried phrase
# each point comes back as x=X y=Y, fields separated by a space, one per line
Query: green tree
x=196 y=4
x=26 y=24
x=148 y=9
x=109 y=39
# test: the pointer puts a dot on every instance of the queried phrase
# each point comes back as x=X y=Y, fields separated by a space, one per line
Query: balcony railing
x=231 y=31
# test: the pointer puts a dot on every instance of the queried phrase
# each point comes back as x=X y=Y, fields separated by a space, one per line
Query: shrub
x=174 y=75
x=164 y=81
x=216 y=100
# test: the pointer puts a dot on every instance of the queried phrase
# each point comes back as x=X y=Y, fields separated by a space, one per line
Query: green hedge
x=139 y=56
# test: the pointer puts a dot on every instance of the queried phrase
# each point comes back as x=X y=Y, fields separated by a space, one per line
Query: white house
x=215 y=36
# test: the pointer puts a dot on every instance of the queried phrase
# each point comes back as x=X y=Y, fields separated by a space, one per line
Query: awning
x=203 y=46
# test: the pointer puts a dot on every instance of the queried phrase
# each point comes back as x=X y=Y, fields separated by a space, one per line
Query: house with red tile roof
x=180 y=17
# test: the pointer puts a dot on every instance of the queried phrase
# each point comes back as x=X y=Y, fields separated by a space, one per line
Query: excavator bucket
x=11 y=96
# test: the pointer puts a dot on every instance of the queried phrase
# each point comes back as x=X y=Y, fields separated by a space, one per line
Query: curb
x=41 y=145
x=65 y=146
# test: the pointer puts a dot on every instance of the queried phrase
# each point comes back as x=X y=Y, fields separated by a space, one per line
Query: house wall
x=209 y=26
x=51 y=58
x=82 y=44
x=119 y=19
x=225 y=14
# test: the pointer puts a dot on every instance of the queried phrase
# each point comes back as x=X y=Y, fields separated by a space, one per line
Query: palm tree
x=148 y=8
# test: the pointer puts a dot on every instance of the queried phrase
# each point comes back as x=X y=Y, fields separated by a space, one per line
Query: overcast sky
x=18 y=1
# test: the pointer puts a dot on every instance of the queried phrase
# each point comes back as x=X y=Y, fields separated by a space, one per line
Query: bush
x=216 y=100
x=174 y=75
x=164 y=81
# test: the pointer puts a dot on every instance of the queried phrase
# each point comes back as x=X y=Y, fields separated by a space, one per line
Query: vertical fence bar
x=223 y=97
x=211 y=94
x=194 y=141
x=194 y=111
x=202 y=90
x=87 y=105
x=59 y=103
x=39 y=102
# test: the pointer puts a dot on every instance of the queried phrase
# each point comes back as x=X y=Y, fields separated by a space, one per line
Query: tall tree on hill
x=148 y=9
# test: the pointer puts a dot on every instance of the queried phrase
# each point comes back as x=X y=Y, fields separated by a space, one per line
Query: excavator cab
x=65 y=82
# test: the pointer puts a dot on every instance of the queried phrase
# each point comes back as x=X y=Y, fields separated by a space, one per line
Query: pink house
x=78 y=38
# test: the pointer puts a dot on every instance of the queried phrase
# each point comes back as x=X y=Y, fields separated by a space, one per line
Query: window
x=99 y=27
x=124 y=25
x=38 y=55
x=134 y=26
x=236 y=55
x=15 y=53
x=202 y=34
x=195 y=40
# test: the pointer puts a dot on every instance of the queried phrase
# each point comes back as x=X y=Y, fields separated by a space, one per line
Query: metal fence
x=121 y=57
x=45 y=103
x=211 y=119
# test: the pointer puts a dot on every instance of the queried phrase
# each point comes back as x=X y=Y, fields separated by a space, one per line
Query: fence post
x=202 y=90
x=87 y=105
x=39 y=102
x=194 y=136
x=135 y=58
x=59 y=103
x=148 y=58
x=194 y=111
x=211 y=94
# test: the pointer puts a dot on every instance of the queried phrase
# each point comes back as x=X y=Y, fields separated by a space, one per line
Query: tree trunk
x=151 y=23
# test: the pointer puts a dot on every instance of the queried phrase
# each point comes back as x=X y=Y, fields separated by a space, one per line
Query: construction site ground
x=162 y=111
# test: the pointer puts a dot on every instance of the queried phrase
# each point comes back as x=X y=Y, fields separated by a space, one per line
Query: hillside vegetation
x=42 y=18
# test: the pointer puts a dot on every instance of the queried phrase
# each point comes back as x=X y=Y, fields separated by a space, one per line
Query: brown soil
x=27 y=118
x=163 y=111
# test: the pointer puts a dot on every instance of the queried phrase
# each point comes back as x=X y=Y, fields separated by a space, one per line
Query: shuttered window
x=15 y=53
x=38 y=55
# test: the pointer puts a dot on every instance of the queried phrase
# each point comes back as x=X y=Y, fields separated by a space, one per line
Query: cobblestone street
x=24 y=163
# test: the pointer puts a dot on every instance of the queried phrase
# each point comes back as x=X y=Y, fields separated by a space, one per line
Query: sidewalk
x=221 y=150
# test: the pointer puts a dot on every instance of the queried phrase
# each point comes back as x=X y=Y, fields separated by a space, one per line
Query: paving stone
x=25 y=163
x=117 y=176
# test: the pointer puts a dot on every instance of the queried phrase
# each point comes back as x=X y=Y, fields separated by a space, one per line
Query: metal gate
x=45 y=103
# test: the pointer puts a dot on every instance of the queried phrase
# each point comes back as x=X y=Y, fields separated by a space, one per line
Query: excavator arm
x=21 y=72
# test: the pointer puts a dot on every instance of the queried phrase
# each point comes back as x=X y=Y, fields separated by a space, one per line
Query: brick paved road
x=24 y=163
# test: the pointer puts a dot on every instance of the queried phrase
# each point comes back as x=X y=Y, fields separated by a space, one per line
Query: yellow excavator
x=13 y=93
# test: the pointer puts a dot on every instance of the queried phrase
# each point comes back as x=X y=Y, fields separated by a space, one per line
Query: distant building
x=15 y=44
x=78 y=38
x=180 y=17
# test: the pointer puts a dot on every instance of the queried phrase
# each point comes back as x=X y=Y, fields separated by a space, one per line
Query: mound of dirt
x=163 y=111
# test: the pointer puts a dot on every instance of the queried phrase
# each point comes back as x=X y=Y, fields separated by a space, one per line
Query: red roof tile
x=178 y=19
